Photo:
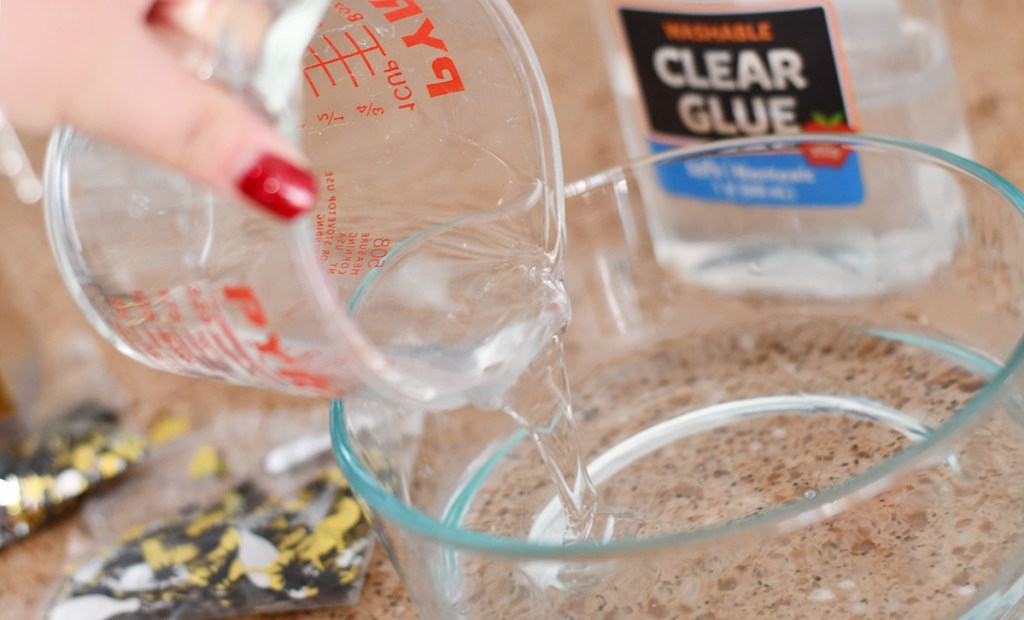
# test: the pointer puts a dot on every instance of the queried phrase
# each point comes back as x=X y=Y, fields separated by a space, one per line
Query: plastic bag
x=222 y=523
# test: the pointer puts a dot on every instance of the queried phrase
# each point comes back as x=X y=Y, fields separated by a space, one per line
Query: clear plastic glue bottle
x=686 y=72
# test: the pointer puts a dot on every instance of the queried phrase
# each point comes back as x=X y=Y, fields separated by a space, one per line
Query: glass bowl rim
x=778 y=519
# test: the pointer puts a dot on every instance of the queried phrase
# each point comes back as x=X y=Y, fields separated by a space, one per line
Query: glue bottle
x=689 y=71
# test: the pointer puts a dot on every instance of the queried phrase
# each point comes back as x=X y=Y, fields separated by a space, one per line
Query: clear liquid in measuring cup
x=461 y=310
x=474 y=319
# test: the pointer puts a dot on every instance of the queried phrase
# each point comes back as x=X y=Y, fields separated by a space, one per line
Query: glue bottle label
x=710 y=72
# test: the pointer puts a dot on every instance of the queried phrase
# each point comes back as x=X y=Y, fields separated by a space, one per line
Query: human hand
x=103 y=67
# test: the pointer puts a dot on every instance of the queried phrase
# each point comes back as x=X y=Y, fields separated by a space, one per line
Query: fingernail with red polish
x=279 y=186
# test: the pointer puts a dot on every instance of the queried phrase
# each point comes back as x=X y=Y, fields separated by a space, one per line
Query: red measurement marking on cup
x=174 y=343
x=400 y=88
x=198 y=303
x=329 y=118
x=403 y=8
x=252 y=309
x=347 y=12
x=356 y=51
x=345 y=252
x=144 y=305
x=170 y=306
x=201 y=336
x=130 y=335
x=357 y=54
x=306 y=379
x=273 y=347
x=197 y=343
x=370 y=109
x=249 y=303
x=443 y=67
x=357 y=252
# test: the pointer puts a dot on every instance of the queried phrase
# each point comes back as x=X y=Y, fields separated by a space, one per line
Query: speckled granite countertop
x=989 y=56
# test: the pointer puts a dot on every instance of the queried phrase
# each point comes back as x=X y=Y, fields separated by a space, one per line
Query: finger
x=142 y=98
x=206 y=21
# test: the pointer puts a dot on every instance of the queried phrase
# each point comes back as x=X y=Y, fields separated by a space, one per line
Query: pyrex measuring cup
x=430 y=130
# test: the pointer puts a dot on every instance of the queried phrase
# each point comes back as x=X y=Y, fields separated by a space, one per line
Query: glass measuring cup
x=429 y=127
x=762 y=455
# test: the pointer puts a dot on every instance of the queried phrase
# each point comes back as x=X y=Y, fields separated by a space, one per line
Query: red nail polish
x=279 y=186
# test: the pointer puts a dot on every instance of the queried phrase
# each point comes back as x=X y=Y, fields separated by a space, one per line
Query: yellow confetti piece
x=293 y=505
x=329 y=534
x=83 y=458
x=133 y=532
x=158 y=556
x=131 y=447
x=34 y=490
x=335 y=476
x=214 y=560
x=236 y=571
x=206 y=461
x=110 y=465
x=292 y=539
x=167 y=428
x=204 y=522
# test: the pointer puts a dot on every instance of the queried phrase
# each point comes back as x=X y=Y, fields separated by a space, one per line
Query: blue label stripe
x=769 y=180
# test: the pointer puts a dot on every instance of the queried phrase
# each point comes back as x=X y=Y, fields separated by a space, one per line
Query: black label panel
x=711 y=75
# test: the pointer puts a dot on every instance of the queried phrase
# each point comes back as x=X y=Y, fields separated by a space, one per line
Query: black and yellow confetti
x=247 y=553
x=43 y=477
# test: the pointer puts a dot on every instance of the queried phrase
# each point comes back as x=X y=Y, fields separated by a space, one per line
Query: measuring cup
x=755 y=451
x=429 y=127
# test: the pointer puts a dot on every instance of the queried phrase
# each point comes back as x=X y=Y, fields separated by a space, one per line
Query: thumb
x=145 y=100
